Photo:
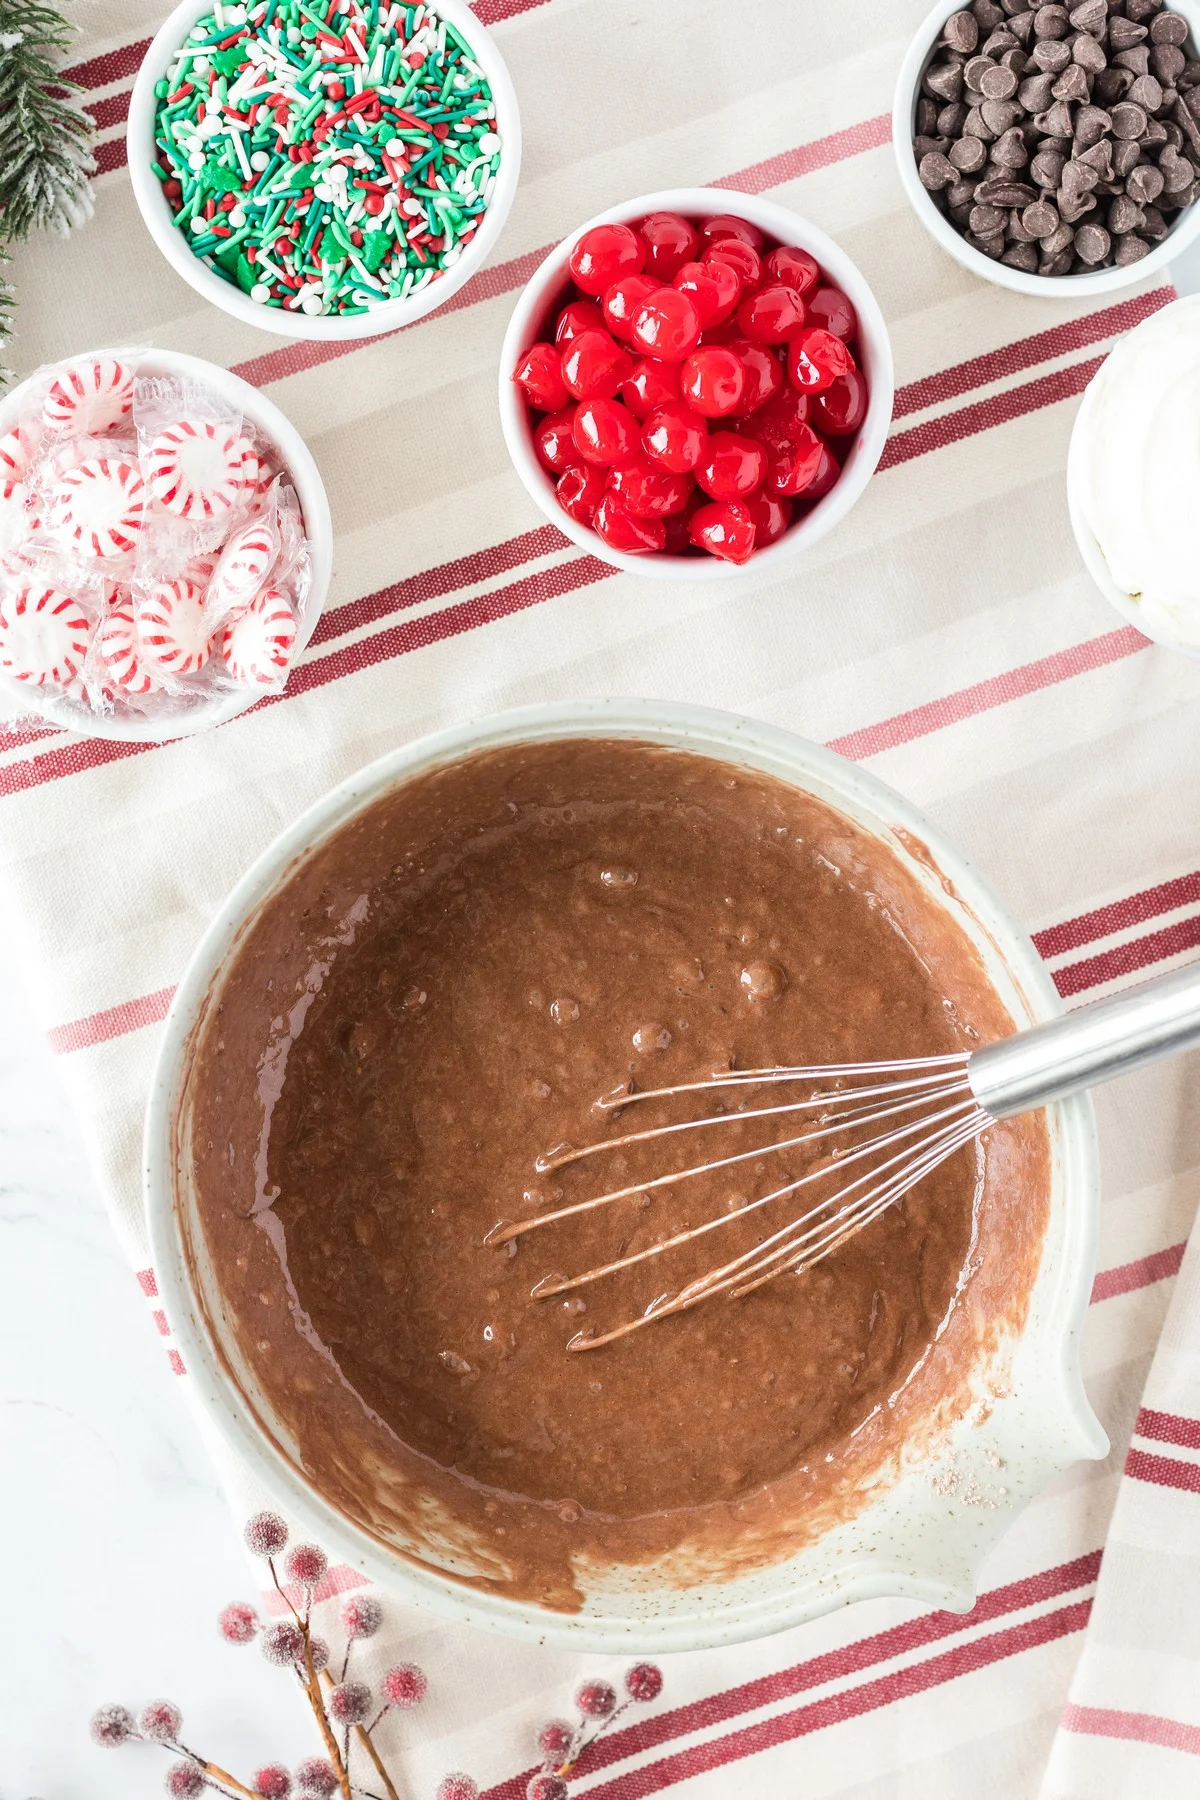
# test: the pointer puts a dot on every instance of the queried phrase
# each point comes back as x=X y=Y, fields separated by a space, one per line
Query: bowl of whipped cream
x=1133 y=475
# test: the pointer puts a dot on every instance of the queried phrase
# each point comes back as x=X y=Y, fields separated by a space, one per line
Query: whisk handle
x=1096 y=1043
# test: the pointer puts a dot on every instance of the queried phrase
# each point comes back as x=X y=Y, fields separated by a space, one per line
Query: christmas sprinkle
x=326 y=155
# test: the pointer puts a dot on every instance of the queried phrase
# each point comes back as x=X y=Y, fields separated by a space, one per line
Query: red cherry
x=724 y=529
x=594 y=366
x=554 y=443
x=763 y=372
x=603 y=255
x=713 y=381
x=831 y=310
x=666 y=325
x=827 y=476
x=605 y=433
x=622 y=530
x=650 y=491
x=736 y=254
x=579 y=315
x=670 y=242
x=539 y=373
x=772 y=315
x=651 y=383
x=732 y=466
x=713 y=289
x=841 y=409
x=815 y=359
x=675 y=436
x=623 y=299
x=771 y=514
x=580 y=492
x=795 y=268
x=792 y=468
x=781 y=419
x=678 y=532
x=726 y=225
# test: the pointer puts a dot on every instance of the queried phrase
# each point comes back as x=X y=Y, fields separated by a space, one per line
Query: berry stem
x=363 y=1734
x=215 y=1772
x=313 y=1687
x=282 y=1595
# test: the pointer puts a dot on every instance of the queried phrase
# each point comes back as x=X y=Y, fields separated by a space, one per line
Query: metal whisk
x=927 y=1108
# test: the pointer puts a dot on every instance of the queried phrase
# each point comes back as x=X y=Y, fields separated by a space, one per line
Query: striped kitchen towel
x=946 y=633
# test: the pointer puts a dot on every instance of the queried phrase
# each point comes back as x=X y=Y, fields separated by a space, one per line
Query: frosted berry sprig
x=561 y=1742
x=347 y=1711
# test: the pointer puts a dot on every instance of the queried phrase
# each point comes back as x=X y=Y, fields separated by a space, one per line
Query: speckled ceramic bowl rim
x=19 y=699
x=779 y=222
x=1043 y=287
x=1054 y=1425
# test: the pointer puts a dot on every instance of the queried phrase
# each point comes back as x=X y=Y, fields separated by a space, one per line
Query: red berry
x=791 y=468
x=714 y=380
x=778 y=421
x=362 y=1615
x=771 y=514
x=580 y=492
x=622 y=531
x=184 y=1780
x=815 y=359
x=623 y=299
x=283 y=1643
x=651 y=383
x=596 y=1699
x=315 y=1775
x=554 y=441
x=265 y=1534
x=795 y=268
x=670 y=241
x=733 y=466
x=539 y=373
x=577 y=316
x=841 y=409
x=351 y=1703
x=650 y=491
x=666 y=325
x=318 y=1649
x=763 y=372
x=675 y=436
x=644 y=1681
x=727 y=225
x=605 y=433
x=113 y=1726
x=603 y=255
x=830 y=309
x=771 y=315
x=713 y=289
x=555 y=1739
x=404 y=1685
x=547 y=1786
x=161 y=1722
x=306 y=1564
x=237 y=1622
x=594 y=366
x=457 y=1787
x=827 y=476
x=737 y=255
x=725 y=529
x=273 y=1782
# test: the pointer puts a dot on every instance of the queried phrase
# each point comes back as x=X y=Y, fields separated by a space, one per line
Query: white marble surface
x=117 y=1547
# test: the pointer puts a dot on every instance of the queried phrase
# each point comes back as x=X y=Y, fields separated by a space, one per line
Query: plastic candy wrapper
x=153 y=556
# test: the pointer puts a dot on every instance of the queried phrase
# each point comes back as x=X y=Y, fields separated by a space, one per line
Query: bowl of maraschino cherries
x=692 y=390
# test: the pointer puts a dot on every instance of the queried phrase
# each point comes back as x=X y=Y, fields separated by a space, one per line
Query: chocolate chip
x=1009 y=150
x=996 y=191
x=1021 y=256
x=998 y=83
x=1169 y=28
x=1156 y=226
x=1123 y=34
x=999 y=115
x=1046 y=167
x=1021 y=26
x=936 y=171
x=1141 y=9
x=1129 y=120
x=1155 y=133
x=927 y=118
x=1092 y=243
x=1145 y=183
x=1056 y=121
x=1060 y=264
x=999 y=42
x=1147 y=92
x=1179 y=174
x=1073 y=84
x=1091 y=124
x=1051 y=22
x=1034 y=92
x=1136 y=62
x=1092 y=17
x=1017 y=61
x=1062 y=238
x=973 y=126
x=1110 y=86
x=969 y=154
x=1078 y=178
x=1125 y=157
x=950 y=120
x=1099 y=157
x=1168 y=63
x=1130 y=250
x=1125 y=215
x=990 y=246
x=1040 y=219
x=961 y=194
x=987 y=220
x=1073 y=206
x=962 y=31
x=975 y=70
x=944 y=81
x=923 y=145
x=1087 y=53
x=987 y=13
x=1051 y=56
x=1188 y=124
x=1174 y=135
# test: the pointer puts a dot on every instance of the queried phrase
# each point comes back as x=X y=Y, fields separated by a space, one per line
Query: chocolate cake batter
x=444 y=991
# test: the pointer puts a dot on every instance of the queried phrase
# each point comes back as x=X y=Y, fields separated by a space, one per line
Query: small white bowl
x=552 y=276
x=389 y=315
x=1044 y=287
x=297 y=461
x=1089 y=547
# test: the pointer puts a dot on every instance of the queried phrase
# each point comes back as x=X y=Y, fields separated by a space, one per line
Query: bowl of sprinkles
x=324 y=168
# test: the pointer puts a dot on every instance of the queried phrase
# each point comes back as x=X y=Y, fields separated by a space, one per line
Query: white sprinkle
x=237 y=218
x=451 y=257
x=338 y=173
x=201 y=65
x=196 y=161
x=260 y=161
x=199 y=226
x=260 y=292
x=412 y=209
x=313 y=305
x=293 y=34
x=323 y=191
x=394 y=147
x=239 y=150
x=489 y=143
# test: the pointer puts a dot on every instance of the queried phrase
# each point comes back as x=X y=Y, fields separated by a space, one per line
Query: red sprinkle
x=181 y=93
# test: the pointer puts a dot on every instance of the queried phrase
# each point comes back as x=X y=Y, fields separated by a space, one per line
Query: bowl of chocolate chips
x=1054 y=149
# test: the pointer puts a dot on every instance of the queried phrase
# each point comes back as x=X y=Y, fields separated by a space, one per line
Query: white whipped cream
x=1140 y=487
